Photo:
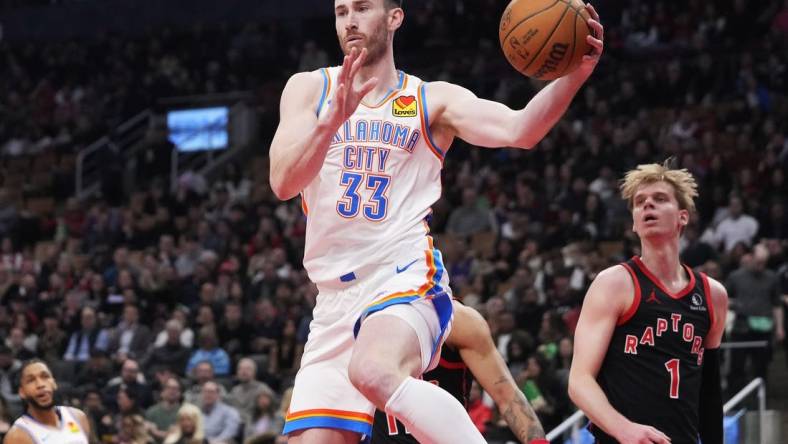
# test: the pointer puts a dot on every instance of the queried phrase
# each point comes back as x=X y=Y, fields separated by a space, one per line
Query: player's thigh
x=323 y=436
x=387 y=341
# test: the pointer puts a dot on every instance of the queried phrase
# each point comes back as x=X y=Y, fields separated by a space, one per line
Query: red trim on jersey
x=635 y=302
x=452 y=365
x=707 y=290
x=658 y=283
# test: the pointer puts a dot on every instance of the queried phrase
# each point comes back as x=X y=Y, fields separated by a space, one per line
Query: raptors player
x=646 y=356
x=469 y=352
x=43 y=422
x=363 y=144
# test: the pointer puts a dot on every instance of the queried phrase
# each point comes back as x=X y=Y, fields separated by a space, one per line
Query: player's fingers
x=343 y=71
x=596 y=43
x=338 y=102
x=599 y=30
x=368 y=86
x=657 y=436
x=357 y=63
x=347 y=65
x=592 y=11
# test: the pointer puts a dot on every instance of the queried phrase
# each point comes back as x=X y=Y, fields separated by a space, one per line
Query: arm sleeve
x=710 y=407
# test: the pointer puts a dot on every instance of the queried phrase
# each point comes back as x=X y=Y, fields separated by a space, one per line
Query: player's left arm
x=83 y=423
x=470 y=334
x=710 y=407
x=459 y=113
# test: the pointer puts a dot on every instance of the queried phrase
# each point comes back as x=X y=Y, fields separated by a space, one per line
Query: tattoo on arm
x=522 y=419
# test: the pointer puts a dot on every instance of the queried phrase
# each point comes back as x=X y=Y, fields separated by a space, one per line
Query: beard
x=376 y=44
x=38 y=406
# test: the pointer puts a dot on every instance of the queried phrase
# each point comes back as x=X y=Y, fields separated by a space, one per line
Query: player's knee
x=374 y=379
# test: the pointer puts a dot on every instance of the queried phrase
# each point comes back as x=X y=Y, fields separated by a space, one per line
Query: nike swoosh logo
x=400 y=270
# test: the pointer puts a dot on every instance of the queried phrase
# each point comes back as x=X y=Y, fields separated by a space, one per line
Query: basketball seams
x=527 y=51
x=574 y=43
x=514 y=26
x=549 y=36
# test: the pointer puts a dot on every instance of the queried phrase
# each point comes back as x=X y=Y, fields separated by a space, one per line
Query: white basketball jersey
x=70 y=431
x=378 y=182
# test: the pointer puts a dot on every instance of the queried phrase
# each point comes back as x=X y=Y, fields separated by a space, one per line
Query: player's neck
x=48 y=417
x=662 y=260
x=386 y=73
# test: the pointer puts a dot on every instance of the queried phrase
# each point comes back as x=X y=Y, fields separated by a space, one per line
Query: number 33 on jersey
x=379 y=179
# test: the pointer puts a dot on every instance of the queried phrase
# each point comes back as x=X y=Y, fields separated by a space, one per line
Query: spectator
x=211 y=352
x=132 y=430
x=101 y=427
x=189 y=429
x=173 y=354
x=470 y=218
x=131 y=380
x=130 y=339
x=5 y=418
x=88 y=338
x=755 y=297
x=180 y=314
x=263 y=421
x=97 y=371
x=9 y=369
x=222 y=422
x=16 y=343
x=164 y=414
x=244 y=395
x=695 y=252
x=52 y=340
x=202 y=373
x=736 y=227
x=234 y=333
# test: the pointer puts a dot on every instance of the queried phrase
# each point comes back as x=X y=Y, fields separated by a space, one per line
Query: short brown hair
x=391 y=4
x=682 y=181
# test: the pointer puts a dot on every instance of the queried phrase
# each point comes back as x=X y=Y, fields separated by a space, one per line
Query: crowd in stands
x=181 y=317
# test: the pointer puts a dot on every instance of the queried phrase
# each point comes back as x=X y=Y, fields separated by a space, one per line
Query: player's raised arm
x=491 y=124
x=605 y=301
x=471 y=336
x=302 y=139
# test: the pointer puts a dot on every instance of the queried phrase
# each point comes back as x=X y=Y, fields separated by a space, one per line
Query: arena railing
x=89 y=159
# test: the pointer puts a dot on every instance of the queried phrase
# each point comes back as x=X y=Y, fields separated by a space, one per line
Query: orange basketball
x=545 y=39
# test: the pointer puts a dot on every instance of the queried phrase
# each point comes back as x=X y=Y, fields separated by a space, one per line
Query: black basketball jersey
x=652 y=370
x=451 y=374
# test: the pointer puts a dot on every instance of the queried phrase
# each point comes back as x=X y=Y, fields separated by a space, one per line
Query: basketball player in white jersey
x=43 y=422
x=363 y=144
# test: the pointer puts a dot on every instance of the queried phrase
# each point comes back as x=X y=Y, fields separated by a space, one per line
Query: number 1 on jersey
x=675 y=377
x=350 y=203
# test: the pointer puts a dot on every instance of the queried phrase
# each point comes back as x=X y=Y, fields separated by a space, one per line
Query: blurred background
x=144 y=256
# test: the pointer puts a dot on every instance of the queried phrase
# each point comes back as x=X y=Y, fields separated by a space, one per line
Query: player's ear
x=684 y=218
x=395 y=19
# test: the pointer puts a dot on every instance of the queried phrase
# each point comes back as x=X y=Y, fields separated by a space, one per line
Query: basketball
x=545 y=39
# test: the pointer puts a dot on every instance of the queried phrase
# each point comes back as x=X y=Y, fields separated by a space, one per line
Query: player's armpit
x=471 y=336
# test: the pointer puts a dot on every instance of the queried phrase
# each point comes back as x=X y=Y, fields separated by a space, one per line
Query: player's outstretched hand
x=346 y=97
x=634 y=433
x=596 y=39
